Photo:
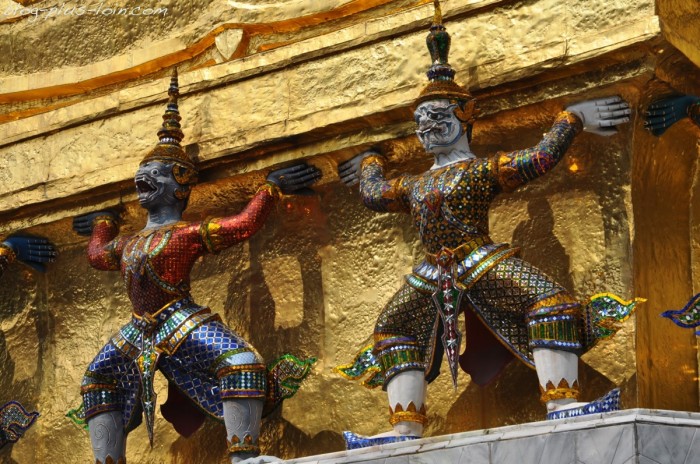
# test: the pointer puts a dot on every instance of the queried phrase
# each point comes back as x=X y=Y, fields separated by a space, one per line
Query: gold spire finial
x=441 y=74
x=437 y=19
x=170 y=135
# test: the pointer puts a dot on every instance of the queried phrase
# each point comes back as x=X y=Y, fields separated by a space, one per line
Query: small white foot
x=608 y=403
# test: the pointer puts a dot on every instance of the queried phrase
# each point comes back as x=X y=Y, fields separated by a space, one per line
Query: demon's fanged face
x=437 y=124
x=156 y=184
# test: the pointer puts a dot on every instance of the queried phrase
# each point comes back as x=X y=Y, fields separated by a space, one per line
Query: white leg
x=406 y=392
x=406 y=388
x=242 y=418
x=107 y=437
x=553 y=366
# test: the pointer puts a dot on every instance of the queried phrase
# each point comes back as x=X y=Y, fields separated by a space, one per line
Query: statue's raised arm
x=218 y=234
x=378 y=194
x=600 y=116
x=35 y=252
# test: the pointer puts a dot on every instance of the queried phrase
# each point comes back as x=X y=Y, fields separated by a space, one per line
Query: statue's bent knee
x=99 y=395
x=397 y=355
x=242 y=375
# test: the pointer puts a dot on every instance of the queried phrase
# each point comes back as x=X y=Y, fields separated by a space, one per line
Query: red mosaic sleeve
x=104 y=248
x=379 y=194
x=7 y=257
x=520 y=167
x=220 y=233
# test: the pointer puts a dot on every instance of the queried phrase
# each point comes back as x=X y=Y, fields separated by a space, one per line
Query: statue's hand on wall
x=602 y=115
x=32 y=251
x=350 y=170
x=82 y=225
x=295 y=179
x=662 y=114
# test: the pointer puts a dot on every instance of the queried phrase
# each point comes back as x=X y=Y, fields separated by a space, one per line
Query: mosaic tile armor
x=687 y=317
x=511 y=309
x=14 y=421
x=518 y=304
x=200 y=356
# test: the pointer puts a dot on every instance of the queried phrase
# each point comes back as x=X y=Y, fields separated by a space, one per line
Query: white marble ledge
x=632 y=436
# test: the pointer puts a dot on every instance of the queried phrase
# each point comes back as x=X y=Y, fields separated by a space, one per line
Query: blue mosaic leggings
x=213 y=363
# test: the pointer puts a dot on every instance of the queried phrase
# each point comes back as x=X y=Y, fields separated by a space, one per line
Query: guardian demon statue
x=204 y=361
x=510 y=307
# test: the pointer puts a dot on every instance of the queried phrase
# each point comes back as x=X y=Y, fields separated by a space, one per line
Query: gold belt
x=152 y=319
x=461 y=251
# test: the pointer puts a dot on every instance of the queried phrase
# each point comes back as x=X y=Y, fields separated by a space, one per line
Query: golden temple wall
x=265 y=83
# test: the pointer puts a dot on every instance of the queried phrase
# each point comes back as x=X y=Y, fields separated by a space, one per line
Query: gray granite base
x=639 y=436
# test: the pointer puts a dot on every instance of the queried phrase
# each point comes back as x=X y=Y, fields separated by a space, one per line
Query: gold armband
x=506 y=173
x=8 y=253
x=103 y=218
x=271 y=188
x=373 y=159
x=572 y=119
x=211 y=237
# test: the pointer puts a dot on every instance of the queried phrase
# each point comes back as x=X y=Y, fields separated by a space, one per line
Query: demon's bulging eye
x=154 y=172
x=436 y=116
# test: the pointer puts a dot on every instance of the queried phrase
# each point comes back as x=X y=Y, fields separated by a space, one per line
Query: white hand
x=349 y=171
x=601 y=116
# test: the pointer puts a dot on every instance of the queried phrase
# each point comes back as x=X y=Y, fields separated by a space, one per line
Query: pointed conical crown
x=441 y=74
x=170 y=135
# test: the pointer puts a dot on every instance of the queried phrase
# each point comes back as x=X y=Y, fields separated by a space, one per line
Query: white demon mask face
x=438 y=127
